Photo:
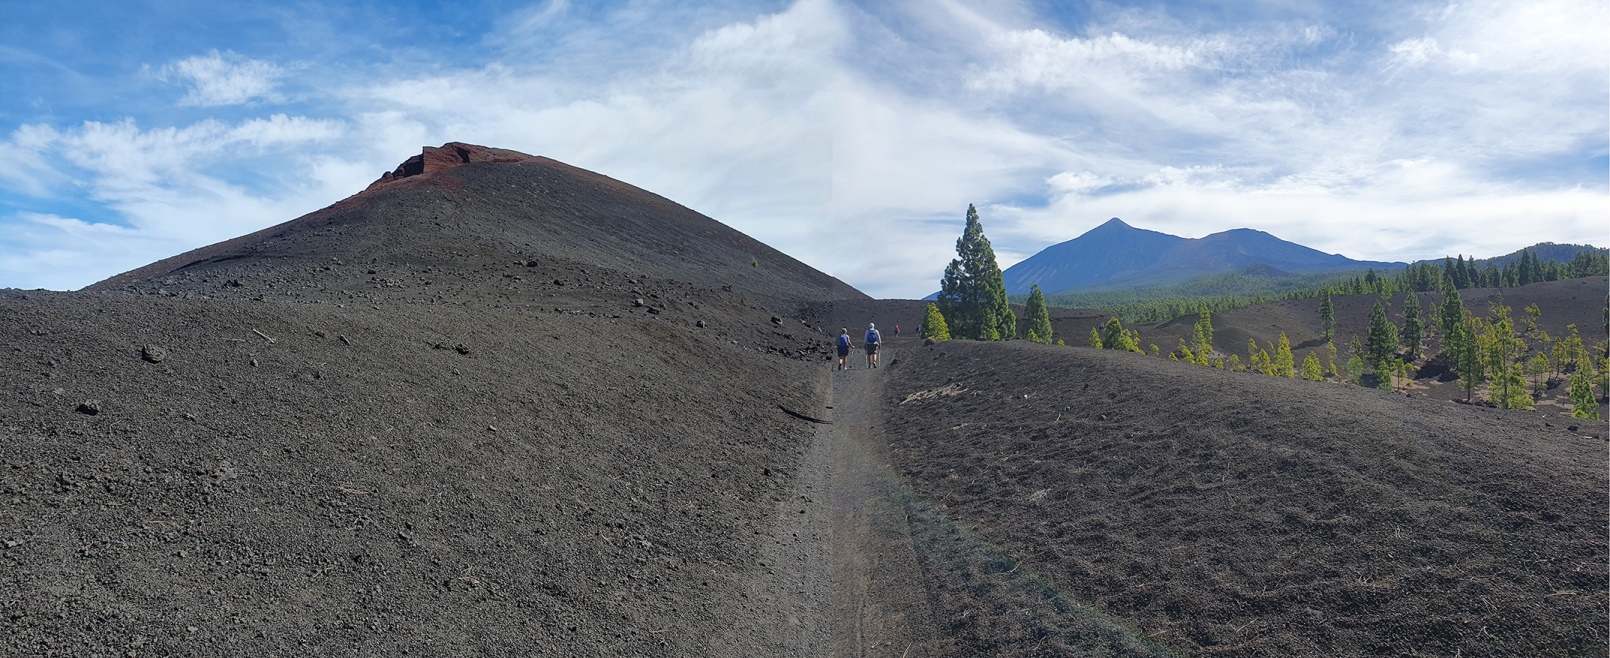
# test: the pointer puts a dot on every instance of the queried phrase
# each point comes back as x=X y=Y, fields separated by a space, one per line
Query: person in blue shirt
x=844 y=347
x=871 y=343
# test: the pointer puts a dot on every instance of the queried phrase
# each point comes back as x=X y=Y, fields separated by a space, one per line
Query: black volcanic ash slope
x=485 y=213
x=432 y=420
x=1218 y=513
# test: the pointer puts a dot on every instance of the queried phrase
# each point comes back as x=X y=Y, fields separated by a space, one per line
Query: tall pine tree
x=1461 y=343
x=1453 y=313
x=1327 y=320
x=1202 y=335
x=1413 y=326
x=1039 y=319
x=972 y=296
x=1381 y=341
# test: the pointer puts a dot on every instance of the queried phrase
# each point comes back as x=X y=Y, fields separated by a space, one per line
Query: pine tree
x=1568 y=351
x=1466 y=354
x=1381 y=341
x=1202 y=335
x=1583 y=404
x=1536 y=367
x=1413 y=326
x=1115 y=337
x=1503 y=351
x=972 y=296
x=1284 y=365
x=1453 y=313
x=1038 y=318
x=1095 y=337
x=1311 y=369
x=1327 y=320
x=933 y=324
x=1355 y=370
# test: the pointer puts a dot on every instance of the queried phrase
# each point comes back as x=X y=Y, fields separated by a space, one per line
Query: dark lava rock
x=154 y=353
x=89 y=407
x=700 y=324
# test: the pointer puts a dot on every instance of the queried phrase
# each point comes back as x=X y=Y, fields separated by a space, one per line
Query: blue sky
x=850 y=134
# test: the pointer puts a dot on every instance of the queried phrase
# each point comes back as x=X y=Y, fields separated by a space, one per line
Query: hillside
x=472 y=213
x=1130 y=505
x=1117 y=256
x=1545 y=251
x=473 y=411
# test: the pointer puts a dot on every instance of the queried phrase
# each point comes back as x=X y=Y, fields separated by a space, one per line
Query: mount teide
x=1116 y=255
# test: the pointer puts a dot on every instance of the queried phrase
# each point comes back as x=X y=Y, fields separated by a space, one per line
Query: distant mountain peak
x=1117 y=255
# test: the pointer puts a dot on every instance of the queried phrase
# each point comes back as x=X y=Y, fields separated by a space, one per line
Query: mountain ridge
x=1116 y=255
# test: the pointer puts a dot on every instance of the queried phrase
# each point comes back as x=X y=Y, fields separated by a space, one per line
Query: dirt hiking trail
x=880 y=606
x=840 y=575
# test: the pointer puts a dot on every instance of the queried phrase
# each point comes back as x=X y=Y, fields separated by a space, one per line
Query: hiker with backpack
x=844 y=347
x=871 y=343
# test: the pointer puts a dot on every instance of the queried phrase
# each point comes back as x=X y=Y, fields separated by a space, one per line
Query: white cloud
x=59 y=253
x=172 y=189
x=224 y=79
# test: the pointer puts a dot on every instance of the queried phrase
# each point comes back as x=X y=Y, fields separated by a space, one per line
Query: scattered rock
x=233 y=283
x=557 y=282
x=1571 y=428
x=637 y=302
x=653 y=311
x=927 y=341
x=344 y=340
x=154 y=353
x=776 y=320
x=700 y=324
x=462 y=349
x=89 y=407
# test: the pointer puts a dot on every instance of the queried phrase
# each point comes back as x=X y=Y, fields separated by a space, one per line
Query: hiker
x=871 y=345
x=844 y=347
x=897 y=331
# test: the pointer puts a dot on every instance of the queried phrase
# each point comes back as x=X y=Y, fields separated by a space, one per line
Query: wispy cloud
x=223 y=79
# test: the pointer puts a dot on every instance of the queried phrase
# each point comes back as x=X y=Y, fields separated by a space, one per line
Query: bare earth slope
x=1217 y=513
x=429 y=420
x=478 y=215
